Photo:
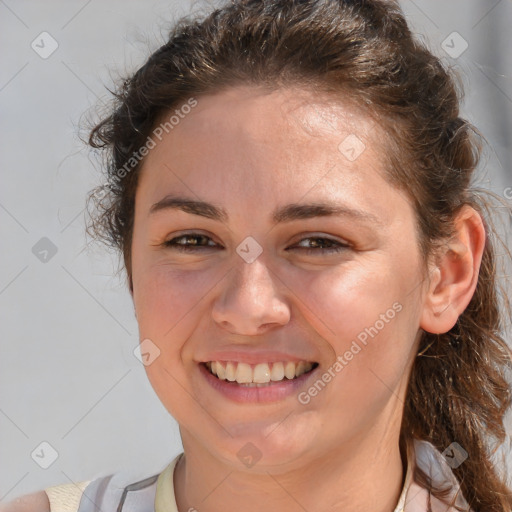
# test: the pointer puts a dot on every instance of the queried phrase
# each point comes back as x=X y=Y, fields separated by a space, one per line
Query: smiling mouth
x=261 y=374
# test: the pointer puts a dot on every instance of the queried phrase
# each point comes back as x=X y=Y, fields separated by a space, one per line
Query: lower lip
x=274 y=392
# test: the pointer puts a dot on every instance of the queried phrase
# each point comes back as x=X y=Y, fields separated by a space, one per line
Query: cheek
x=370 y=351
x=170 y=309
x=168 y=303
x=368 y=318
x=166 y=298
x=342 y=302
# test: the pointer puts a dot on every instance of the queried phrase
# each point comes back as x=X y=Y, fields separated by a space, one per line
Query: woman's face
x=297 y=249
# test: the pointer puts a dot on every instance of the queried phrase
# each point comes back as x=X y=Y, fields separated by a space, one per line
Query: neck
x=366 y=474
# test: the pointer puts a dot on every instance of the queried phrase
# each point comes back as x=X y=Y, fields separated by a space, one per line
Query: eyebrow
x=287 y=213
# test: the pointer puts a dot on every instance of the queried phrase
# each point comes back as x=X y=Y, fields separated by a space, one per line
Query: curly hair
x=361 y=51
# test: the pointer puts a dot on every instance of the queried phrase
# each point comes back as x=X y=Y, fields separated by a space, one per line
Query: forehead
x=268 y=117
x=252 y=152
x=288 y=134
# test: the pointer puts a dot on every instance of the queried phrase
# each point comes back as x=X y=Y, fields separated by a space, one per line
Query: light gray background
x=68 y=375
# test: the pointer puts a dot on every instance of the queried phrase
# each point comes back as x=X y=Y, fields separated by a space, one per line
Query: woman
x=313 y=276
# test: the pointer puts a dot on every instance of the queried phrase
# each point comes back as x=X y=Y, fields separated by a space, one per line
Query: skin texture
x=249 y=151
x=35 y=502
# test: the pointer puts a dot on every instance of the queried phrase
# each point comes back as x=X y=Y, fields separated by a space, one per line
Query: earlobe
x=455 y=274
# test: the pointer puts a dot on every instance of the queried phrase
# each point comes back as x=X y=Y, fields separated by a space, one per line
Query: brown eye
x=322 y=245
x=189 y=242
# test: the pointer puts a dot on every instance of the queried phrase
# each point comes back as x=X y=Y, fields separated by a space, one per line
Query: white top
x=156 y=493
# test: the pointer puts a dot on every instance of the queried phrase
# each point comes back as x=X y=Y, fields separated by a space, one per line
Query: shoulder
x=35 y=502
x=129 y=489
x=60 y=497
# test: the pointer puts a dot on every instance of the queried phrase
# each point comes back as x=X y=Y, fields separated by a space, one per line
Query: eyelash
x=339 y=247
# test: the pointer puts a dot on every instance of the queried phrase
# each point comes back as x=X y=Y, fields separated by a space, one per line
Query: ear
x=455 y=274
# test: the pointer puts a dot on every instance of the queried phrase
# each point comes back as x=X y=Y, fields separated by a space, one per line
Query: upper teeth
x=262 y=373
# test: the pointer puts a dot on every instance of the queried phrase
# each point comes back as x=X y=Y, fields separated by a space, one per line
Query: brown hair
x=362 y=50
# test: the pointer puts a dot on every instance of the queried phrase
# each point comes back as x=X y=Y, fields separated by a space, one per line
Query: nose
x=249 y=304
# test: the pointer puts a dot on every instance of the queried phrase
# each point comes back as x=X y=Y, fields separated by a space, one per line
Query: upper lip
x=254 y=357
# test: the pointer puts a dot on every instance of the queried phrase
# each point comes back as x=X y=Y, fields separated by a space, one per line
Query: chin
x=261 y=447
